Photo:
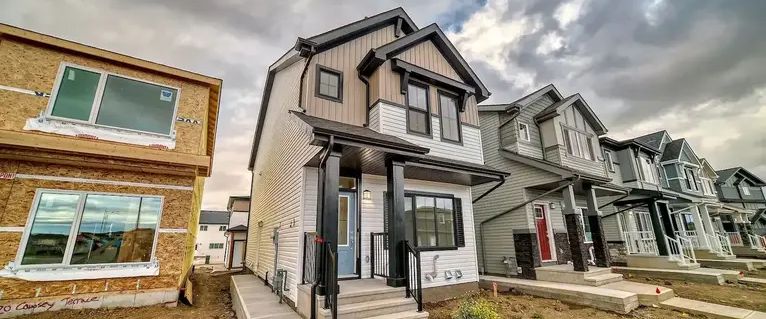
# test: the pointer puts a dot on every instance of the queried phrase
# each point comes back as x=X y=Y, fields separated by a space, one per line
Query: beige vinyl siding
x=499 y=233
x=278 y=180
x=344 y=58
x=392 y=120
x=427 y=56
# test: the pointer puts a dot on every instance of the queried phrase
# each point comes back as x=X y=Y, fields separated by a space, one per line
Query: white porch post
x=706 y=220
x=698 y=224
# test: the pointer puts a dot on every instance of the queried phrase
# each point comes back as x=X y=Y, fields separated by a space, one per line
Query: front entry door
x=346 y=234
x=237 y=252
x=544 y=242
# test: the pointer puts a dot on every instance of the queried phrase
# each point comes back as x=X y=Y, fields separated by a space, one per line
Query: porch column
x=600 y=248
x=659 y=222
x=327 y=219
x=574 y=231
x=699 y=226
x=744 y=231
x=396 y=236
x=706 y=221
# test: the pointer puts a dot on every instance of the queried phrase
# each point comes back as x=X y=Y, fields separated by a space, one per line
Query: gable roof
x=608 y=141
x=704 y=163
x=673 y=150
x=725 y=174
x=551 y=166
x=378 y=56
x=576 y=101
x=213 y=217
x=549 y=89
x=329 y=39
x=652 y=139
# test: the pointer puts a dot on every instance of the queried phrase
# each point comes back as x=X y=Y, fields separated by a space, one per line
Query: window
x=585 y=225
x=579 y=144
x=524 y=131
x=110 y=100
x=418 y=117
x=450 y=120
x=643 y=221
x=215 y=246
x=221 y=228
x=645 y=167
x=329 y=84
x=691 y=179
x=431 y=221
x=343 y=210
x=608 y=160
x=745 y=190
x=202 y=227
x=75 y=228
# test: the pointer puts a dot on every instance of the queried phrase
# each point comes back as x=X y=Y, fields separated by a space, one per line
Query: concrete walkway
x=710 y=310
x=252 y=299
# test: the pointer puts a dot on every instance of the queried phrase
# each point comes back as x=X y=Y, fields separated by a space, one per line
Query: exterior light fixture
x=366 y=194
x=552 y=205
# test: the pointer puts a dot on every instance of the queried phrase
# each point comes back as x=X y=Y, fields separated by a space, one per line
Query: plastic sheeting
x=59 y=273
x=99 y=132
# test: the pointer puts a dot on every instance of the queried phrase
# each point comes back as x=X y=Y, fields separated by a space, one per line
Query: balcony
x=732 y=193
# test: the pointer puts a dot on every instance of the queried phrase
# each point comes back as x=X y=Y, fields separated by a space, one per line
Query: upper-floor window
x=101 y=98
x=221 y=228
x=578 y=144
x=418 y=110
x=691 y=179
x=79 y=228
x=524 y=131
x=608 y=160
x=203 y=227
x=745 y=190
x=450 y=120
x=329 y=84
x=215 y=246
x=646 y=170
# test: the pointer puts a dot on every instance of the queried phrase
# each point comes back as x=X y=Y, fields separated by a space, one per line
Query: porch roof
x=564 y=171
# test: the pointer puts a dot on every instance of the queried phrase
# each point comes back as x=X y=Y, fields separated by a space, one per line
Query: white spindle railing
x=641 y=242
x=755 y=241
x=762 y=240
x=720 y=244
x=690 y=235
x=681 y=250
x=735 y=238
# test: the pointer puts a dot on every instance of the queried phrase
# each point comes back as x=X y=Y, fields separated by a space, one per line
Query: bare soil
x=515 y=306
x=211 y=300
x=734 y=295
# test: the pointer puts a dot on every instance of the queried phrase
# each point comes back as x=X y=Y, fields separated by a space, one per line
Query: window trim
x=689 y=173
x=745 y=190
x=96 y=106
x=456 y=98
x=609 y=161
x=526 y=130
x=414 y=195
x=66 y=261
x=566 y=130
x=321 y=68
x=222 y=228
x=348 y=218
x=200 y=227
x=429 y=125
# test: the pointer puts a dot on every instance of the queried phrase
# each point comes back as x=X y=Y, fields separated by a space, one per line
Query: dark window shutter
x=459 y=231
x=386 y=207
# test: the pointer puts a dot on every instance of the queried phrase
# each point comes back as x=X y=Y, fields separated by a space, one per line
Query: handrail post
x=406 y=259
x=372 y=255
x=420 y=282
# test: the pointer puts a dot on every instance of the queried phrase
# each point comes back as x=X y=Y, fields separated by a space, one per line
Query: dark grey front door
x=347 y=234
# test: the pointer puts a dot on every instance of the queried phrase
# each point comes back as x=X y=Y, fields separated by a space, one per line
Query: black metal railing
x=309 y=258
x=379 y=254
x=331 y=293
x=413 y=275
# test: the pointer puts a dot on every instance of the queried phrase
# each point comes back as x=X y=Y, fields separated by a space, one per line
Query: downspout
x=616 y=200
x=366 y=81
x=320 y=208
x=303 y=76
x=481 y=225
x=502 y=181
x=627 y=208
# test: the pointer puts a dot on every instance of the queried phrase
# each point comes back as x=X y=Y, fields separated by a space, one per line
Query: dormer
x=739 y=185
x=634 y=163
x=708 y=176
x=681 y=167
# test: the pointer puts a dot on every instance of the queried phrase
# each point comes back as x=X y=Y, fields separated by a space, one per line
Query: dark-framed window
x=449 y=117
x=329 y=84
x=418 y=109
x=432 y=221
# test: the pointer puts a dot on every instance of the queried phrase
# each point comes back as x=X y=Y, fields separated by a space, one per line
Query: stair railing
x=413 y=276
x=379 y=255
x=687 y=248
x=677 y=250
x=641 y=242
x=755 y=242
x=331 y=288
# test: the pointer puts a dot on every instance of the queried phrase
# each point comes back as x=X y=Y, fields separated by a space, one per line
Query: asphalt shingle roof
x=672 y=150
x=654 y=139
x=214 y=217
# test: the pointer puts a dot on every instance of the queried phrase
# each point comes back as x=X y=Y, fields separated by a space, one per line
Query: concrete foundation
x=656 y=262
x=595 y=276
x=703 y=275
x=733 y=264
x=18 y=307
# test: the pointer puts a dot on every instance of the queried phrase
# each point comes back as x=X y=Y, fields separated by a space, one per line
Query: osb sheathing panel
x=33 y=67
x=9 y=241
x=192 y=228
x=177 y=205
x=96 y=173
x=170 y=253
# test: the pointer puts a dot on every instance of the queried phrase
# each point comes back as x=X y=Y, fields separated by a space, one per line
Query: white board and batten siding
x=392 y=120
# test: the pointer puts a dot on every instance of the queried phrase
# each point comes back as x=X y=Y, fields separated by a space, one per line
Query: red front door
x=541 y=221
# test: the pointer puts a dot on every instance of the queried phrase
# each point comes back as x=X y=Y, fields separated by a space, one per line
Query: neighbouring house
x=103 y=157
x=365 y=152
x=236 y=234
x=547 y=214
x=212 y=243
x=740 y=188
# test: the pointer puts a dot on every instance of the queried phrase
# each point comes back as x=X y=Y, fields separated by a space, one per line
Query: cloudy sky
x=694 y=68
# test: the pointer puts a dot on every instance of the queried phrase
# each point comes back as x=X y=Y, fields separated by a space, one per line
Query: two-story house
x=365 y=152
x=236 y=234
x=102 y=161
x=738 y=187
x=548 y=213
x=212 y=244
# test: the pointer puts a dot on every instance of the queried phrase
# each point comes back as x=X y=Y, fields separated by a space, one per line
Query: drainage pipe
x=481 y=225
x=616 y=200
x=502 y=181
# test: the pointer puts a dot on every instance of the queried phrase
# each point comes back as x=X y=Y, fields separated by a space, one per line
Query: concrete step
x=703 y=275
x=596 y=297
x=734 y=264
x=750 y=281
x=377 y=293
x=709 y=309
x=403 y=315
x=371 y=308
x=648 y=295
x=603 y=279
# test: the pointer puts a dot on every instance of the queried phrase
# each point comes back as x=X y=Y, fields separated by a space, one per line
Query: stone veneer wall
x=527 y=253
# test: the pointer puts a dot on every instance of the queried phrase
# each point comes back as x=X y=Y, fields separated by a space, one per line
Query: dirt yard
x=211 y=300
x=734 y=295
x=513 y=306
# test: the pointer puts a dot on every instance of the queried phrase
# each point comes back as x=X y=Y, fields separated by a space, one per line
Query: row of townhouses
x=376 y=171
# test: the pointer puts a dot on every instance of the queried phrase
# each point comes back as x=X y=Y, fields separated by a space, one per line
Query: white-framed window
x=647 y=170
x=609 y=161
x=202 y=227
x=73 y=228
x=524 y=132
x=745 y=190
x=100 y=98
x=585 y=225
x=691 y=179
x=215 y=246
x=221 y=228
x=579 y=144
